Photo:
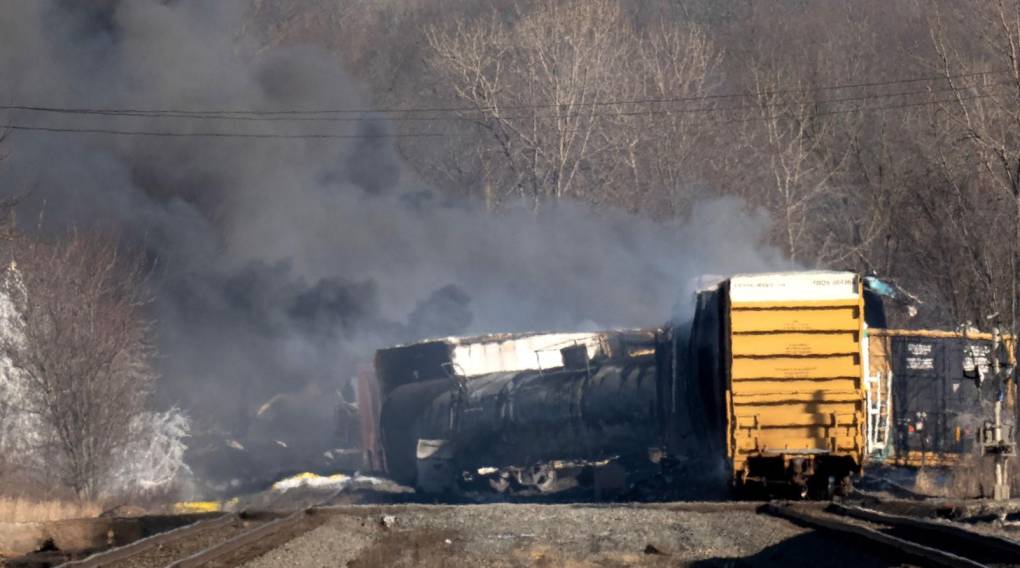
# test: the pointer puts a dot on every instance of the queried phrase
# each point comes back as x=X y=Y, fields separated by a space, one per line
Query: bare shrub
x=82 y=352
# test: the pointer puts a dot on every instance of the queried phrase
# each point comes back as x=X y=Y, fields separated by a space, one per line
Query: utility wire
x=180 y=113
x=557 y=116
x=151 y=133
x=70 y=130
x=429 y=135
x=899 y=106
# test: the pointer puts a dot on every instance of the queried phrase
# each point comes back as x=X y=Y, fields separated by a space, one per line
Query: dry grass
x=26 y=510
x=972 y=477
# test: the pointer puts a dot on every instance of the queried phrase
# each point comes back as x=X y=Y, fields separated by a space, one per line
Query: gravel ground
x=560 y=535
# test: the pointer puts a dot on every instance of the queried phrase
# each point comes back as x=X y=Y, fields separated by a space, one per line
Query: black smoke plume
x=281 y=264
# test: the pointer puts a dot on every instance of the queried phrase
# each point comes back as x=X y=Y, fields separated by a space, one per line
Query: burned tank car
x=541 y=429
x=411 y=377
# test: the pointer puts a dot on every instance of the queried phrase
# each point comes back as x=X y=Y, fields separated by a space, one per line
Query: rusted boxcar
x=777 y=362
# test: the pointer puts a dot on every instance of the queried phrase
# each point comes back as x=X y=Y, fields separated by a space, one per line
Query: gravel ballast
x=561 y=535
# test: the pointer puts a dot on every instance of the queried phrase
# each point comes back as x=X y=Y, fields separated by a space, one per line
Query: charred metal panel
x=575 y=357
x=506 y=352
x=707 y=385
x=419 y=362
x=397 y=420
x=522 y=418
x=367 y=393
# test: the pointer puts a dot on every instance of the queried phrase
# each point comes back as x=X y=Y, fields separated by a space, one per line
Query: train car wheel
x=500 y=484
x=846 y=487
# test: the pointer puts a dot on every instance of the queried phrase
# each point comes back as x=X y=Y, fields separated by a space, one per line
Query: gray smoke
x=280 y=265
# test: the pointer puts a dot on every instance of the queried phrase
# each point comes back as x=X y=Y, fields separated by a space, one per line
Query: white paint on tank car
x=495 y=354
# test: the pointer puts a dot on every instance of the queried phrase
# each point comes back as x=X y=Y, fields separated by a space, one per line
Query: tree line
x=77 y=369
x=879 y=136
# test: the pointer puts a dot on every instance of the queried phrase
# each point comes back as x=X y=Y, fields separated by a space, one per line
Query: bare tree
x=977 y=47
x=550 y=85
x=83 y=350
x=7 y=409
x=674 y=63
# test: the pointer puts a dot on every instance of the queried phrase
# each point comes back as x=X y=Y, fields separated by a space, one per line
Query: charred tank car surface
x=500 y=401
x=510 y=428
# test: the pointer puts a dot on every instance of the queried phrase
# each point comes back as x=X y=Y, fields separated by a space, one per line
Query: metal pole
x=1001 y=491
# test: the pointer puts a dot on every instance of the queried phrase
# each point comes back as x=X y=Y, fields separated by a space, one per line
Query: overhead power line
x=23 y=127
x=557 y=116
x=319 y=135
x=167 y=134
x=657 y=111
x=250 y=113
x=899 y=106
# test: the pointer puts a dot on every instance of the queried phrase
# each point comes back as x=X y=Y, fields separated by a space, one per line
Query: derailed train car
x=767 y=385
x=542 y=430
x=503 y=401
x=767 y=382
x=930 y=393
x=777 y=360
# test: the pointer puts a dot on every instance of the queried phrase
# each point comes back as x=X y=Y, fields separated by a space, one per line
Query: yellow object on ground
x=198 y=507
x=307 y=479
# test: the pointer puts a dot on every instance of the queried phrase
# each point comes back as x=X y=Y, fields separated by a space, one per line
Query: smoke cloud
x=282 y=264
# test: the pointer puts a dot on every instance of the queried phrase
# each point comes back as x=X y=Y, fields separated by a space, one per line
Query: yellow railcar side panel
x=819 y=435
x=789 y=420
x=818 y=319
x=796 y=381
x=779 y=412
x=798 y=441
x=794 y=367
x=797 y=344
x=805 y=397
x=776 y=442
x=819 y=389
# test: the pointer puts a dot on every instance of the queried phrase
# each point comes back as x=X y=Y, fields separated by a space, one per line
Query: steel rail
x=927 y=555
x=985 y=542
x=141 y=546
x=241 y=541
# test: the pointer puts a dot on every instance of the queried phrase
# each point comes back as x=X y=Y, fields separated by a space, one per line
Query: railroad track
x=932 y=543
x=233 y=539
x=223 y=541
